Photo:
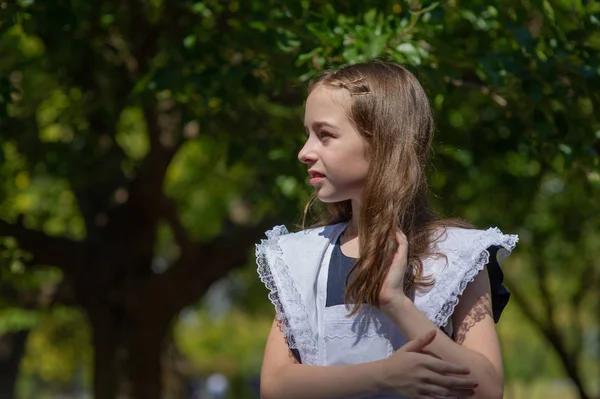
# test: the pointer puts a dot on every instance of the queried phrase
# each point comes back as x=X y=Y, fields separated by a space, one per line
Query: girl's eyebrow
x=320 y=124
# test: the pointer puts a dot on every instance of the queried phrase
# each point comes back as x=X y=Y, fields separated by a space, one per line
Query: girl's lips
x=315 y=177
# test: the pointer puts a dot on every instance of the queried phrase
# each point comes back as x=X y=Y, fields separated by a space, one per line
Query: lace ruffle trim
x=351 y=330
x=492 y=236
x=284 y=295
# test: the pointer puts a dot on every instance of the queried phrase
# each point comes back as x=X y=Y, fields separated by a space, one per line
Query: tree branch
x=190 y=277
x=60 y=252
x=569 y=359
x=524 y=306
x=479 y=86
x=169 y=211
x=541 y=279
x=587 y=279
x=143 y=36
x=163 y=121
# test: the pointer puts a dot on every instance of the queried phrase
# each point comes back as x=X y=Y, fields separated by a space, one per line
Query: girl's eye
x=324 y=134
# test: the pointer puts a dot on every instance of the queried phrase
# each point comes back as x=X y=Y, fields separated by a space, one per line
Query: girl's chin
x=330 y=198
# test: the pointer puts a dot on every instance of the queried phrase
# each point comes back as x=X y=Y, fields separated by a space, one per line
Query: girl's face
x=335 y=152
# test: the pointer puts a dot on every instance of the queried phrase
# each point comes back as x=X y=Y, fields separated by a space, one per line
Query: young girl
x=382 y=299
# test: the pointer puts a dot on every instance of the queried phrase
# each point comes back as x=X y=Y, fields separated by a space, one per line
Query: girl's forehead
x=327 y=93
x=329 y=102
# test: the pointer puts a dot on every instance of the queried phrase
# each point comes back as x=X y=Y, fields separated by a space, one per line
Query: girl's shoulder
x=288 y=265
x=461 y=251
x=465 y=242
x=456 y=257
x=280 y=234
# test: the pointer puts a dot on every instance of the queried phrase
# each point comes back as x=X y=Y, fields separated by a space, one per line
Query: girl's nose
x=306 y=155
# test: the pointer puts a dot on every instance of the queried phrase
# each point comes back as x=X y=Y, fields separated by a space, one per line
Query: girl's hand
x=413 y=373
x=392 y=290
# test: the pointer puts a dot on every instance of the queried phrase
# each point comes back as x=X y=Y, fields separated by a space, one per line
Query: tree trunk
x=106 y=343
x=145 y=366
x=12 y=348
x=127 y=354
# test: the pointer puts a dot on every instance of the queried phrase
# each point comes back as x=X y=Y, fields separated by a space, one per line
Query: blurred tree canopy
x=146 y=144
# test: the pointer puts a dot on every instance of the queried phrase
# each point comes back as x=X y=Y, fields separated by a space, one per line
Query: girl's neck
x=349 y=239
x=352 y=228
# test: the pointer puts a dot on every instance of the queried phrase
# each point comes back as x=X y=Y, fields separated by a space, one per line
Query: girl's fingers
x=442 y=392
x=402 y=250
x=453 y=382
x=460 y=394
x=401 y=240
x=442 y=367
x=428 y=353
x=400 y=236
x=418 y=344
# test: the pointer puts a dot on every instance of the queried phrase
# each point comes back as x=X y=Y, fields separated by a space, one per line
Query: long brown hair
x=391 y=111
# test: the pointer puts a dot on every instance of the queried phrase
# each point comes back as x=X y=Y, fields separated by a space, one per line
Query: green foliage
x=231 y=344
x=58 y=353
x=514 y=86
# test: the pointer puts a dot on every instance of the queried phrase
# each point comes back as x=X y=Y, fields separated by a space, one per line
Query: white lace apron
x=294 y=267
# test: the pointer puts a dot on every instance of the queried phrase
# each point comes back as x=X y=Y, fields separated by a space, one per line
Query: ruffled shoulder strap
x=288 y=265
x=461 y=255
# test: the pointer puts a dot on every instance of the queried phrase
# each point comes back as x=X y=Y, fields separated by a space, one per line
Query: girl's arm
x=283 y=377
x=408 y=372
x=476 y=345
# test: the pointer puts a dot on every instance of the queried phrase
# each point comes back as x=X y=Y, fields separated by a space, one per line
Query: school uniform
x=306 y=275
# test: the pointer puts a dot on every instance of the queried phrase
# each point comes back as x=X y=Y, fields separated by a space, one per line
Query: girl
x=368 y=302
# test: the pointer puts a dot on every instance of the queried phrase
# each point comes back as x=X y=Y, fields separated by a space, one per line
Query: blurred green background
x=146 y=145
